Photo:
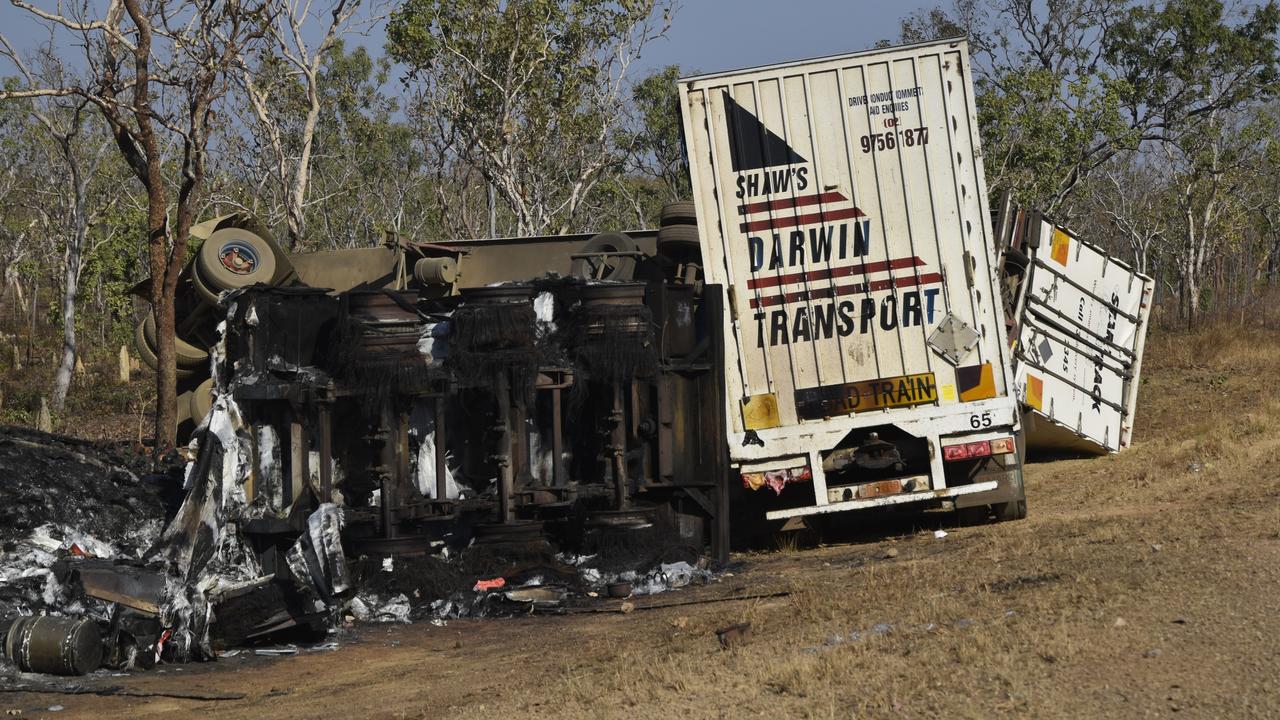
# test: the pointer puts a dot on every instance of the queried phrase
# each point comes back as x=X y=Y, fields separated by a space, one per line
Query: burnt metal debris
x=378 y=430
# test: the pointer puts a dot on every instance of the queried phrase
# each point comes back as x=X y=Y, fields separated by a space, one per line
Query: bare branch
x=81 y=27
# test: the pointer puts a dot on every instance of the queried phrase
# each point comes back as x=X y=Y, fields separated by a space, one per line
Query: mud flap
x=1009 y=490
x=1008 y=474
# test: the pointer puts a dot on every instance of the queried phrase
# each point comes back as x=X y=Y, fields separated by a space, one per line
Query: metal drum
x=54 y=645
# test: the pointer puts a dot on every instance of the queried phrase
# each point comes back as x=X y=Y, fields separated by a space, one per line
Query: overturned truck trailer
x=492 y=391
x=827 y=325
x=843 y=212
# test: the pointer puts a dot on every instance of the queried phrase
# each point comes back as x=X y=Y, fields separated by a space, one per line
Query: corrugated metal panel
x=1080 y=341
x=841 y=202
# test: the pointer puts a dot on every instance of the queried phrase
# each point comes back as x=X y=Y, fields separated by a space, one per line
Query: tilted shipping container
x=1081 y=328
x=841 y=203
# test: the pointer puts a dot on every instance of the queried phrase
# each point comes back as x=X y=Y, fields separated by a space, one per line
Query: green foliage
x=527 y=55
x=367 y=167
x=1163 y=99
x=1187 y=59
x=526 y=92
x=1039 y=126
x=117 y=263
x=933 y=24
x=539 y=45
x=657 y=145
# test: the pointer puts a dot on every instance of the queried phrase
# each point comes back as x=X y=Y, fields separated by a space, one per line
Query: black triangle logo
x=752 y=145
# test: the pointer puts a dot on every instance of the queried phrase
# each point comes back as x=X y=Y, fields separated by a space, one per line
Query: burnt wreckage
x=562 y=393
x=460 y=391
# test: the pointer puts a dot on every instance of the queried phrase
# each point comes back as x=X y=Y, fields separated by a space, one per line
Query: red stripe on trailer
x=794 y=220
x=839 y=290
x=838 y=272
x=787 y=203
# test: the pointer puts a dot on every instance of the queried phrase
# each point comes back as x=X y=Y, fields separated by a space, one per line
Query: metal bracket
x=953 y=339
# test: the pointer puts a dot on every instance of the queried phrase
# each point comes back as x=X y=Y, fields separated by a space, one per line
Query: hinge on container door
x=733 y=304
x=970 y=267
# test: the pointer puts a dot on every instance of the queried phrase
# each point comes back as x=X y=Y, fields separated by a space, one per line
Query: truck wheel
x=202 y=289
x=976 y=515
x=234 y=258
x=189 y=356
x=608 y=267
x=201 y=401
x=679 y=241
x=678 y=213
x=184 y=407
x=148 y=353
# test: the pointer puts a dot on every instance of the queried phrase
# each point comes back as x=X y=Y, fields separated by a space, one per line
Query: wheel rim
x=239 y=257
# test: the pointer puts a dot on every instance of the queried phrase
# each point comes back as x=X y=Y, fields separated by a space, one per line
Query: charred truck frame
x=504 y=391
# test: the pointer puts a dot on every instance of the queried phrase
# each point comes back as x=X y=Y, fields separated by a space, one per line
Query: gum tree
x=71 y=151
x=281 y=83
x=156 y=70
x=528 y=93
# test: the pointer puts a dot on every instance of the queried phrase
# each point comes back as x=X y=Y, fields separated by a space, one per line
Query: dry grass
x=1141 y=584
x=1051 y=617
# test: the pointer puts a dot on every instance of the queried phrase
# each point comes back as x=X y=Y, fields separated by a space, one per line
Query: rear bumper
x=902 y=499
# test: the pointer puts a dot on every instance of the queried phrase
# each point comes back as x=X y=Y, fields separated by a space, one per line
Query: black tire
x=233 y=258
x=612 y=267
x=148 y=354
x=678 y=213
x=201 y=401
x=189 y=357
x=679 y=242
x=976 y=515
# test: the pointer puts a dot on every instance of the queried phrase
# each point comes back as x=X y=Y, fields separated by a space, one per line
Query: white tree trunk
x=73 y=262
x=67 y=362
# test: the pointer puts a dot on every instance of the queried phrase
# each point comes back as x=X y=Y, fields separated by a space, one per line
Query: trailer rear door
x=842 y=204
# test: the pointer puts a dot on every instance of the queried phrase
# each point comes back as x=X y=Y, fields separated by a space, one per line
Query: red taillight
x=978 y=449
x=965 y=451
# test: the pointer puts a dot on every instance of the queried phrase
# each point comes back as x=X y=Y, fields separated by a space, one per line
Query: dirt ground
x=1142 y=584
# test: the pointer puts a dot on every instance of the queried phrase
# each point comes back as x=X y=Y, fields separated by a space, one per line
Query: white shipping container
x=841 y=204
x=1082 y=324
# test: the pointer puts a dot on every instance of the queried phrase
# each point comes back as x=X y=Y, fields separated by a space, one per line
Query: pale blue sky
x=706 y=35
x=712 y=35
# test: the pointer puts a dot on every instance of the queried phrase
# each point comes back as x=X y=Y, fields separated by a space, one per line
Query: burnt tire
x=678 y=213
x=610 y=267
x=233 y=258
x=188 y=356
x=148 y=354
x=184 y=407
